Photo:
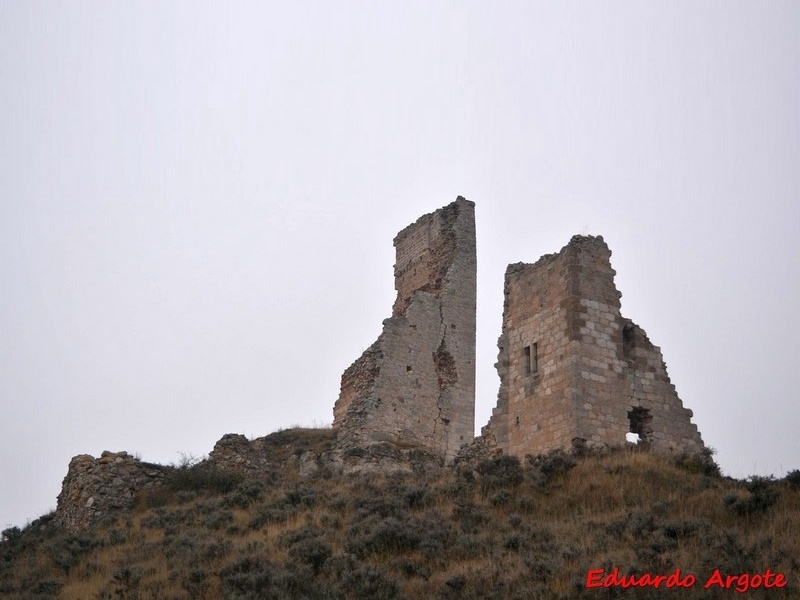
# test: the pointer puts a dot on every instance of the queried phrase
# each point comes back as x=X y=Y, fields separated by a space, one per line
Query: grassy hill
x=494 y=529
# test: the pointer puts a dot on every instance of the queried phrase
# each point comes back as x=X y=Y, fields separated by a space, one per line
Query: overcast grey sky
x=198 y=200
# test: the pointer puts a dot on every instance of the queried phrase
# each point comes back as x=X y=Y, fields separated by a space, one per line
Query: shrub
x=501 y=498
x=725 y=551
x=417 y=496
x=302 y=496
x=216 y=549
x=272 y=513
x=250 y=577
x=295 y=581
x=117 y=536
x=330 y=521
x=219 y=519
x=470 y=517
x=312 y=551
x=410 y=567
x=367 y=505
x=369 y=582
x=702 y=462
x=763 y=494
x=127 y=577
x=793 y=479
x=196 y=583
x=66 y=552
x=245 y=494
x=202 y=477
x=388 y=535
x=501 y=472
x=436 y=535
x=541 y=568
x=544 y=467
x=456 y=583
x=46 y=588
x=11 y=534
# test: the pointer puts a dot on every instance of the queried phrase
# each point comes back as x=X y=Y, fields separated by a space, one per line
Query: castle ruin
x=415 y=386
x=573 y=371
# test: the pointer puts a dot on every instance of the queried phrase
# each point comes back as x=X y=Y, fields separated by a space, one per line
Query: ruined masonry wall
x=597 y=375
x=416 y=385
x=573 y=372
x=358 y=380
x=94 y=487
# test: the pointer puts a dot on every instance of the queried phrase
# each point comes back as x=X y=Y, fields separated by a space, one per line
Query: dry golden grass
x=452 y=535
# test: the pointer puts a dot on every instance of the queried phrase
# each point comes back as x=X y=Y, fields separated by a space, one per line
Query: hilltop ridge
x=482 y=528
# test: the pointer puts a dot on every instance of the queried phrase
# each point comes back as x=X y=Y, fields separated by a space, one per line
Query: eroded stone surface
x=572 y=370
x=415 y=386
x=95 y=487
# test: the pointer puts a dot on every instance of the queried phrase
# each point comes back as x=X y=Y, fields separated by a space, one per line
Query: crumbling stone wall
x=572 y=370
x=415 y=386
x=358 y=380
x=264 y=458
x=234 y=452
x=95 y=487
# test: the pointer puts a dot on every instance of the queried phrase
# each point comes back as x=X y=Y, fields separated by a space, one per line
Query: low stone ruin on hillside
x=95 y=487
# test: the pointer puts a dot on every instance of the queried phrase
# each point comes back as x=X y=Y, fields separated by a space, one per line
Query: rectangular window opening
x=641 y=429
x=531 y=359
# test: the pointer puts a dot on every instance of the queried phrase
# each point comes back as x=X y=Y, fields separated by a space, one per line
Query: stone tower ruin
x=573 y=371
x=415 y=386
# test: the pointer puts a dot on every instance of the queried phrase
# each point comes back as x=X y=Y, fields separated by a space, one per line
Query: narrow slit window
x=531 y=359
